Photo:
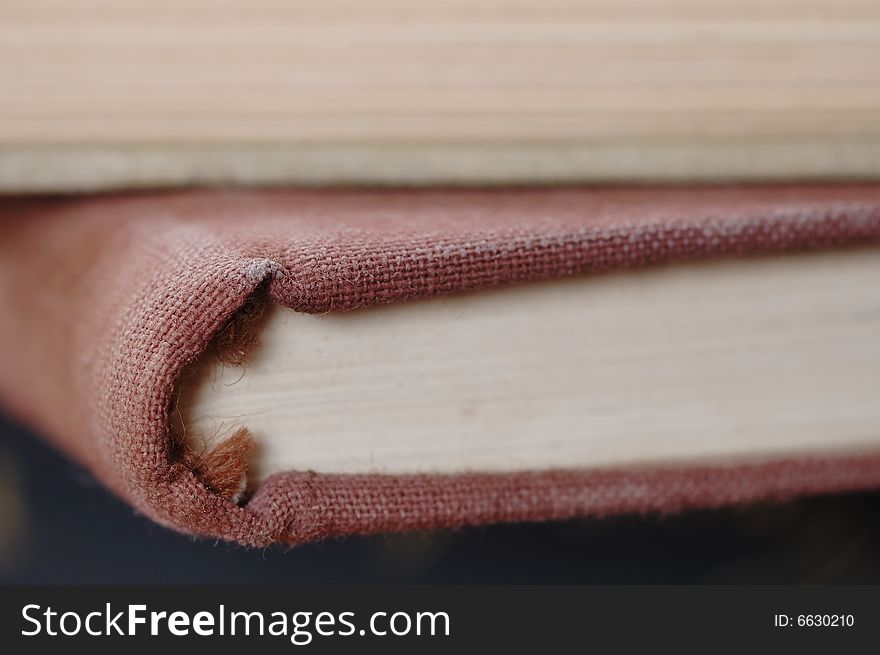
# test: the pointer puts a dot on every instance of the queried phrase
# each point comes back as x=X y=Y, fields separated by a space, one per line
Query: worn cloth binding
x=107 y=299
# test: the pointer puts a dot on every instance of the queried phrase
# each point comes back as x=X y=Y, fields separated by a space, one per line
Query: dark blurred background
x=58 y=525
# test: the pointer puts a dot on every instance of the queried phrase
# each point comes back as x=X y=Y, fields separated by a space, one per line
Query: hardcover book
x=264 y=366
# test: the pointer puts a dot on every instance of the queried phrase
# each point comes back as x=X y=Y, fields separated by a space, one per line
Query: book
x=101 y=94
x=724 y=361
x=435 y=359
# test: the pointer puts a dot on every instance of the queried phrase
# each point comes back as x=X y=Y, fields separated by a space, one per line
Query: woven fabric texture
x=107 y=299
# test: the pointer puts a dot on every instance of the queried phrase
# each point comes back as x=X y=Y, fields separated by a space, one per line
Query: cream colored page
x=108 y=93
x=713 y=361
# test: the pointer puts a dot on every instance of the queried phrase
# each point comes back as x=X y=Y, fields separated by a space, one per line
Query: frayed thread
x=239 y=338
x=223 y=469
